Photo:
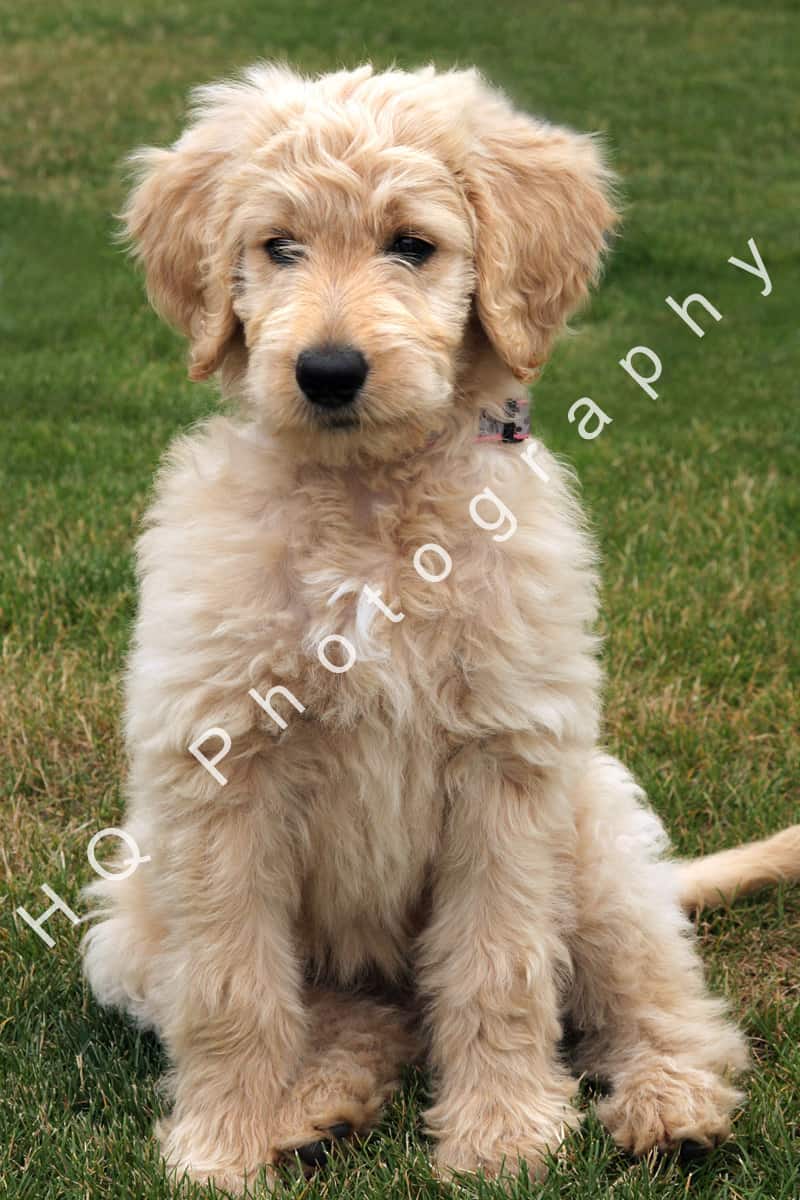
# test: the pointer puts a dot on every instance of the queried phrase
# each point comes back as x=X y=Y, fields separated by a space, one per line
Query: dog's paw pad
x=342 y=1129
x=690 y=1151
x=315 y=1154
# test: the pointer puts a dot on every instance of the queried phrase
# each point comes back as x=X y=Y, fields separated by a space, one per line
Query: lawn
x=693 y=496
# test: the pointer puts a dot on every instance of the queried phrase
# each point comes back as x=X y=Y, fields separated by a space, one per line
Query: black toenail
x=341 y=1129
x=314 y=1154
x=690 y=1151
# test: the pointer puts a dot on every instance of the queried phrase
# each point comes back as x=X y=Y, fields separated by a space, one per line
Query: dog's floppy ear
x=543 y=202
x=169 y=218
x=177 y=217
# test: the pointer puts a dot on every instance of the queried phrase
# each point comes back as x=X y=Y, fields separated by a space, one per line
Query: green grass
x=693 y=496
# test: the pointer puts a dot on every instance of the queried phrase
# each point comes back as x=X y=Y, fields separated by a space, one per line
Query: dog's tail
x=717 y=879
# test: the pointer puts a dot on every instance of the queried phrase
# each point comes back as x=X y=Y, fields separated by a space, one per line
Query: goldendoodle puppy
x=363 y=699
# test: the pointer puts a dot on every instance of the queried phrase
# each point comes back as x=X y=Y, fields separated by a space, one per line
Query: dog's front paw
x=666 y=1106
x=499 y=1141
x=206 y=1150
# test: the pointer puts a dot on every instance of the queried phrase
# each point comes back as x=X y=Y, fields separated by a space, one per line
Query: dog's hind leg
x=649 y=1027
x=357 y=1049
x=122 y=945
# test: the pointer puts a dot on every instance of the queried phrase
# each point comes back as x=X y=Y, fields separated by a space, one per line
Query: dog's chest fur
x=372 y=820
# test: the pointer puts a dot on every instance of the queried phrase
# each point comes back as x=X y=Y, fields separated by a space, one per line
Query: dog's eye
x=283 y=250
x=411 y=249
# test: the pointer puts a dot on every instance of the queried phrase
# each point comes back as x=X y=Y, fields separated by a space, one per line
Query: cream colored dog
x=389 y=626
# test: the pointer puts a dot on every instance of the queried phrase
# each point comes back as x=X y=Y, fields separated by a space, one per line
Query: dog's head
x=347 y=249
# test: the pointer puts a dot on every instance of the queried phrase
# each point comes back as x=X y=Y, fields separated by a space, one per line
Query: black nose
x=331 y=375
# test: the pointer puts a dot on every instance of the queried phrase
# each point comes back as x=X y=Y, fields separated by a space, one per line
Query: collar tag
x=516 y=427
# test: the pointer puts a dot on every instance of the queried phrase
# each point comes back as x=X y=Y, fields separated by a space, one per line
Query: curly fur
x=440 y=815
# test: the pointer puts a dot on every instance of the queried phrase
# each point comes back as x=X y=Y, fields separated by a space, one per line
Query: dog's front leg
x=228 y=992
x=492 y=961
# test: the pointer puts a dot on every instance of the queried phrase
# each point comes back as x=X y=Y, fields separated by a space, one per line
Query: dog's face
x=353 y=284
x=326 y=242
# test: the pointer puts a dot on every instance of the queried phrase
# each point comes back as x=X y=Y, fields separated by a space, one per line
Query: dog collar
x=516 y=427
